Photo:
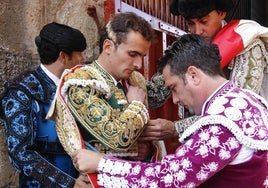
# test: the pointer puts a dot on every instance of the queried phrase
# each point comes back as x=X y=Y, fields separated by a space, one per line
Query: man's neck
x=52 y=72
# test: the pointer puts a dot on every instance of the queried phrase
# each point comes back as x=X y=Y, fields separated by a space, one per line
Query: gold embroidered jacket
x=89 y=107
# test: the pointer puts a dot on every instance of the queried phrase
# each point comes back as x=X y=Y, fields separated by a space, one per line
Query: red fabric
x=93 y=180
x=229 y=42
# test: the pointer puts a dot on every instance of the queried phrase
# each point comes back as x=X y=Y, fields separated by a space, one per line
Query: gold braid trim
x=68 y=134
x=65 y=124
x=99 y=107
x=115 y=129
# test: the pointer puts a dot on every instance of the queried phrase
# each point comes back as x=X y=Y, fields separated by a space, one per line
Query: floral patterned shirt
x=233 y=121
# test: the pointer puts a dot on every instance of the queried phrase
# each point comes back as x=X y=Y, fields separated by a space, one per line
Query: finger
x=148 y=138
x=73 y=154
x=147 y=134
x=127 y=85
x=153 y=121
x=76 y=166
x=84 y=177
x=153 y=127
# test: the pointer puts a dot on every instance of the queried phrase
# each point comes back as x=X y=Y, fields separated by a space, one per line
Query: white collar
x=52 y=76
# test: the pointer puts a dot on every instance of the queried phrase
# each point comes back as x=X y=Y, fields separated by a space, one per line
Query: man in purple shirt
x=226 y=147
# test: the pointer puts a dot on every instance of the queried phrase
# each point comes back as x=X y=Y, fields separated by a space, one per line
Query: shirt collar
x=53 y=77
x=114 y=80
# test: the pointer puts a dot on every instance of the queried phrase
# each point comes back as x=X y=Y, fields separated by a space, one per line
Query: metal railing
x=158 y=9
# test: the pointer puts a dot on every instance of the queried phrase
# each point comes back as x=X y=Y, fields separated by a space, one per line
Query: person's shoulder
x=20 y=78
x=248 y=21
x=79 y=72
x=33 y=82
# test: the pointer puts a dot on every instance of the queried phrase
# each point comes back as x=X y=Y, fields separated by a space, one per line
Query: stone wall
x=20 y=23
x=12 y=63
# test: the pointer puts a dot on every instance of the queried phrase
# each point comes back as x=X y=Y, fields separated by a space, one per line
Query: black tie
x=120 y=86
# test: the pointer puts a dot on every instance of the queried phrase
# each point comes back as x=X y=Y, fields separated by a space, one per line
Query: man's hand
x=135 y=93
x=82 y=182
x=144 y=151
x=159 y=129
x=86 y=161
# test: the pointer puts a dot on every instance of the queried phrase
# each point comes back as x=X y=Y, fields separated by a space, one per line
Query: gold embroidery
x=66 y=128
x=102 y=109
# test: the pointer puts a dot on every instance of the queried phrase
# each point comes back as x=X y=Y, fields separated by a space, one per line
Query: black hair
x=191 y=50
x=199 y=8
x=54 y=38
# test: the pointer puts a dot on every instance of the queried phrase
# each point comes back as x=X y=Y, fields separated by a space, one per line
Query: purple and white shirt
x=227 y=147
